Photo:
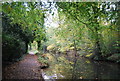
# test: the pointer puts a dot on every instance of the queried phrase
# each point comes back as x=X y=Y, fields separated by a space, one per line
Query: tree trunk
x=75 y=49
x=26 y=47
x=39 y=44
x=98 y=51
x=44 y=48
x=98 y=54
x=30 y=46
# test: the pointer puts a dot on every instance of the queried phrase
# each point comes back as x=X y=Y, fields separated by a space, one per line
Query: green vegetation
x=89 y=29
x=22 y=24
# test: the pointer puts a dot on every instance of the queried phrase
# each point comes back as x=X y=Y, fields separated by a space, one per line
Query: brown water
x=81 y=68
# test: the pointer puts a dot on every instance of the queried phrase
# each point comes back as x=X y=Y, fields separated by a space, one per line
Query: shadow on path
x=28 y=68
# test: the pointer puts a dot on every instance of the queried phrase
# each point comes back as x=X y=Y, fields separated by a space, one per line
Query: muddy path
x=28 y=68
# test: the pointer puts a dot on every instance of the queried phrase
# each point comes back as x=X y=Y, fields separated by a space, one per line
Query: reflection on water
x=81 y=68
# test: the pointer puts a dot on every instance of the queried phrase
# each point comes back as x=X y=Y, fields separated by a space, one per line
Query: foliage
x=114 y=57
x=12 y=48
x=90 y=19
x=43 y=60
x=22 y=23
x=88 y=27
x=29 y=15
x=13 y=44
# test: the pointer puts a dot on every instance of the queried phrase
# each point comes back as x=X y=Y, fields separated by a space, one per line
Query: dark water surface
x=81 y=68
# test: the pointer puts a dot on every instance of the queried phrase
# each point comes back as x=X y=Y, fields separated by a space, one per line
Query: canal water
x=64 y=67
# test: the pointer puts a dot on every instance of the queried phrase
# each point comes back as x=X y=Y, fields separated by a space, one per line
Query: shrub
x=12 y=47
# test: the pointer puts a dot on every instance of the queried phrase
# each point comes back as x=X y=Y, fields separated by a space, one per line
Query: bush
x=43 y=60
x=12 y=47
x=114 y=57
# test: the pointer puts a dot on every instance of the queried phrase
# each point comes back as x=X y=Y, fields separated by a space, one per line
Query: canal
x=68 y=67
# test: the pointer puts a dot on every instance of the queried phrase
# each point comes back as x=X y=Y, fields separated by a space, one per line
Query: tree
x=30 y=16
x=90 y=15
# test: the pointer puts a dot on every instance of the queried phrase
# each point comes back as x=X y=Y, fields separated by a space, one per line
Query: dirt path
x=28 y=68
